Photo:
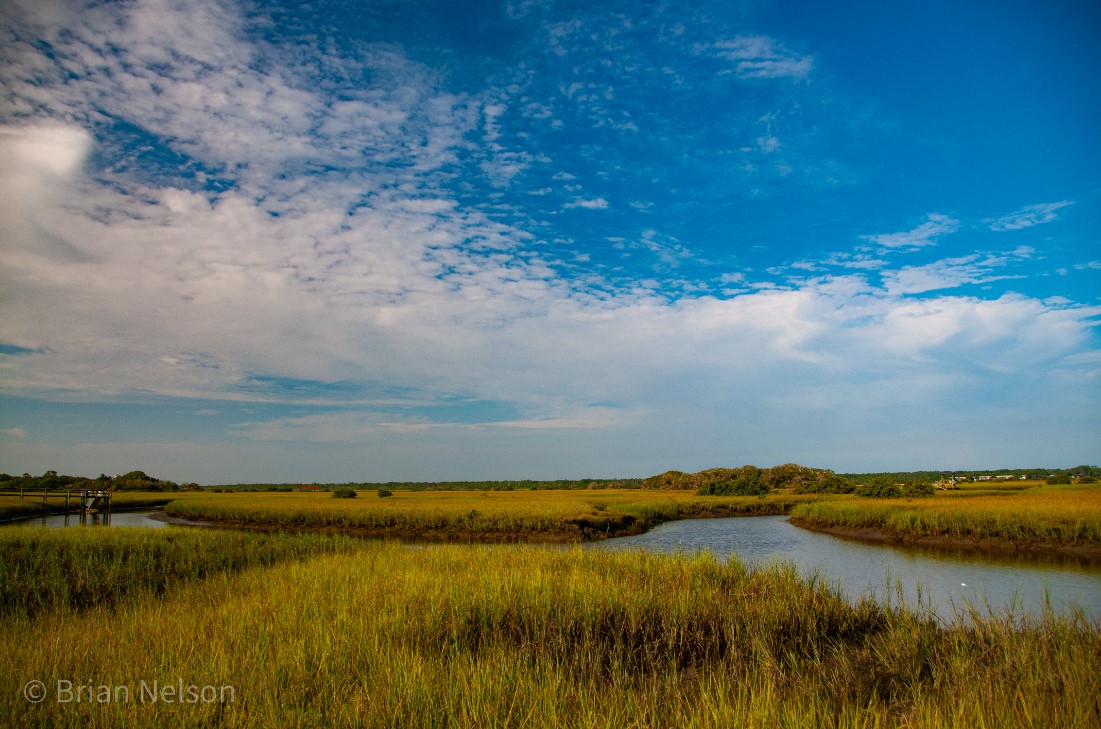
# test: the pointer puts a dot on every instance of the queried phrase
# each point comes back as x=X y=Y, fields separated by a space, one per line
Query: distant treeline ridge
x=746 y=480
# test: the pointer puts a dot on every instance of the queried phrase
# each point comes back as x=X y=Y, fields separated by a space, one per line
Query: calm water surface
x=118 y=519
x=947 y=580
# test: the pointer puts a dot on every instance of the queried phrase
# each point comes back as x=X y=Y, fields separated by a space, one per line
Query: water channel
x=115 y=519
x=945 y=581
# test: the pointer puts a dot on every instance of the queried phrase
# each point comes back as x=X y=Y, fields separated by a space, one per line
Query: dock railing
x=87 y=501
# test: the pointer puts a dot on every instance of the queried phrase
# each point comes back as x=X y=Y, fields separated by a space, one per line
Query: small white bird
x=963 y=584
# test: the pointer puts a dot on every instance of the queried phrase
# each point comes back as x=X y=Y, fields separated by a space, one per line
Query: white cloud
x=597 y=203
x=947 y=273
x=1028 y=216
x=858 y=260
x=43 y=150
x=923 y=235
x=39 y=171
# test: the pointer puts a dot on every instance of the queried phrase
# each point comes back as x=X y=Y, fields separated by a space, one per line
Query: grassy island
x=491 y=516
x=1029 y=516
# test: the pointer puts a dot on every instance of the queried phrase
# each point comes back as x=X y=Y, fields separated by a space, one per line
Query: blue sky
x=345 y=241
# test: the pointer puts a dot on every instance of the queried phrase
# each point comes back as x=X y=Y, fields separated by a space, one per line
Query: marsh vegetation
x=372 y=634
x=315 y=629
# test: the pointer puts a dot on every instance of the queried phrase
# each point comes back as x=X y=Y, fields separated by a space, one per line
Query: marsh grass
x=49 y=570
x=470 y=636
x=1060 y=515
x=505 y=515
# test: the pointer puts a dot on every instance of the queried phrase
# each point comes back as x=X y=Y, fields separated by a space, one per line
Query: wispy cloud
x=1028 y=216
x=953 y=272
x=925 y=234
x=762 y=57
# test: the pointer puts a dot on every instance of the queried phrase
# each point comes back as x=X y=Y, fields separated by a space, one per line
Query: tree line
x=744 y=481
x=52 y=481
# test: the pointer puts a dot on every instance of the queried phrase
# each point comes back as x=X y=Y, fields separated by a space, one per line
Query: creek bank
x=1087 y=551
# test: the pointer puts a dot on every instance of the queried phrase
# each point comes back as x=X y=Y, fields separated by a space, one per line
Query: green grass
x=474 y=636
x=1051 y=514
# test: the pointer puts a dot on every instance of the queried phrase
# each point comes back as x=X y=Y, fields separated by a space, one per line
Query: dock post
x=67 y=502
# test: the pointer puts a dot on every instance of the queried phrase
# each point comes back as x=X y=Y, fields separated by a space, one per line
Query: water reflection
x=942 y=580
x=114 y=519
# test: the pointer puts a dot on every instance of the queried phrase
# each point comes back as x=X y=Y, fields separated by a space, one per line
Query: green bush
x=918 y=489
x=344 y=493
x=744 y=481
x=1059 y=478
x=880 y=487
x=383 y=493
x=669 y=480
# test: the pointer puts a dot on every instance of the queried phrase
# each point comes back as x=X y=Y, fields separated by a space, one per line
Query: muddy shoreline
x=1090 y=552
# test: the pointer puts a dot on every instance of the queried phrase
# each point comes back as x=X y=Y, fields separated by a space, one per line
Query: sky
x=425 y=240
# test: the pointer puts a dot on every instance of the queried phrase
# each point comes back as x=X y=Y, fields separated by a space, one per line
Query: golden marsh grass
x=475 y=636
x=508 y=515
x=1059 y=515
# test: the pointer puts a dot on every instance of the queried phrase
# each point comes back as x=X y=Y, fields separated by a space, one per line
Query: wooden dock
x=84 y=502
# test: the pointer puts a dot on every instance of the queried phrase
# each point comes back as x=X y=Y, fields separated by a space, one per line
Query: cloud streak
x=925 y=234
x=761 y=57
x=1028 y=216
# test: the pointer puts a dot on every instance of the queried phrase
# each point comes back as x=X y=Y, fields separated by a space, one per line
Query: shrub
x=744 y=481
x=1059 y=478
x=916 y=489
x=383 y=493
x=669 y=480
x=344 y=493
x=805 y=480
x=880 y=487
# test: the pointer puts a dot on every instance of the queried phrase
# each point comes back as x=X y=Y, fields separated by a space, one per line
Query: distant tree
x=1058 y=478
x=383 y=493
x=344 y=493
